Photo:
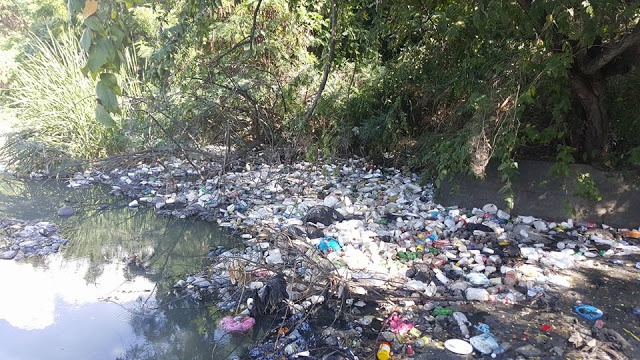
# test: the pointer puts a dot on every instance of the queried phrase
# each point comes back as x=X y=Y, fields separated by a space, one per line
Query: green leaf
x=117 y=35
x=73 y=6
x=112 y=81
x=109 y=79
x=107 y=96
x=103 y=117
x=94 y=23
x=510 y=202
x=99 y=54
x=85 y=39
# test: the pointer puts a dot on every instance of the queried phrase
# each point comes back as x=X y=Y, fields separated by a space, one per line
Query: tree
x=603 y=40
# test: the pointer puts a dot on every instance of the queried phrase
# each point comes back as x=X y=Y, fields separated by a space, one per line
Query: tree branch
x=327 y=66
x=597 y=63
x=253 y=27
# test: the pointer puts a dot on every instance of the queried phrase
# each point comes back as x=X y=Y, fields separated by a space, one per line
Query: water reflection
x=86 y=302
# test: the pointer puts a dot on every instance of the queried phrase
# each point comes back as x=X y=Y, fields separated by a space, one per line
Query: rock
x=66 y=211
x=529 y=351
x=202 y=283
x=8 y=255
x=29 y=243
x=331 y=201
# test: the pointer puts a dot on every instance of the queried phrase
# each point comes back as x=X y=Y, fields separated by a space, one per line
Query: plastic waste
x=384 y=351
x=476 y=278
x=410 y=350
x=510 y=278
x=238 y=324
x=512 y=297
x=458 y=346
x=399 y=325
x=588 y=312
x=477 y=294
x=484 y=343
x=462 y=321
x=534 y=291
x=442 y=311
x=329 y=245
x=442 y=277
x=497 y=351
x=483 y=327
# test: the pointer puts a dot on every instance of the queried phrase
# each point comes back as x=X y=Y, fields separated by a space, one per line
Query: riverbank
x=357 y=244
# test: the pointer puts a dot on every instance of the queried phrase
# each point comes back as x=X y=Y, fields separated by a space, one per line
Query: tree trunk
x=590 y=90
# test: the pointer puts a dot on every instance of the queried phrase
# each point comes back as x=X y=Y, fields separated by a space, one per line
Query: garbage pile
x=367 y=249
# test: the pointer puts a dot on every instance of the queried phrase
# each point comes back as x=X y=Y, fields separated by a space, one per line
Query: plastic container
x=384 y=351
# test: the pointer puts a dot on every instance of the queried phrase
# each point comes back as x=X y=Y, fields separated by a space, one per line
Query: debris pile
x=367 y=250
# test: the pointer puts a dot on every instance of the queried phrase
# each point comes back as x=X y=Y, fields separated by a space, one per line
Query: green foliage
x=442 y=86
x=564 y=158
x=625 y=118
x=587 y=188
x=17 y=17
x=54 y=106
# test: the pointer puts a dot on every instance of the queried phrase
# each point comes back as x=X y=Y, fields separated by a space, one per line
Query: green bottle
x=442 y=311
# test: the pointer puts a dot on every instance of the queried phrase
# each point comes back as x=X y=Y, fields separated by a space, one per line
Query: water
x=86 y=303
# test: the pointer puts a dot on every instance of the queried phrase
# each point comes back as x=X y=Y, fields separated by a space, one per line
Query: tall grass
x=55 y=109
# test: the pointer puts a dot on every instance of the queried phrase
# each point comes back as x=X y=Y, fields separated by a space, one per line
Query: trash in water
x=238 y=324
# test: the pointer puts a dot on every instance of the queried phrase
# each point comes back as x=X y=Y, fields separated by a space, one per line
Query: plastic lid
x=458 y=346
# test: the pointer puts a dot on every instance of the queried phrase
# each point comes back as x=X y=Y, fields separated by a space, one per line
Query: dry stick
x=253 y=27
x=327 y=66
x=186 y=155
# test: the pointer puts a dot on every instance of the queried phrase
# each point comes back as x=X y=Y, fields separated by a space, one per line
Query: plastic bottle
x=497 y=351
x=442 y=311
x=384 y=351
x=442 y=277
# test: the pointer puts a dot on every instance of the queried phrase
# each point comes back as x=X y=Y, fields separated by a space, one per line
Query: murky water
x=85 y=302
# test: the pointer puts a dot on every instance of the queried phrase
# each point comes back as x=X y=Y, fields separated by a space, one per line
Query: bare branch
x=253 y=27
x=327 y=66
x=597 y=63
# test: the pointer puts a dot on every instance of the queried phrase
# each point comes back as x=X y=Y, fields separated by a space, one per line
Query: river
x=87 y=301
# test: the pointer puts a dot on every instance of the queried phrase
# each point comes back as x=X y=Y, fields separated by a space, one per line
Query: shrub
x=54 y=106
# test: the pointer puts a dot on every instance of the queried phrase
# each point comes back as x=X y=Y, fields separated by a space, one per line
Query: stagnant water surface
x=85 y=302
